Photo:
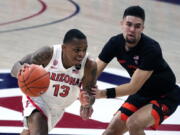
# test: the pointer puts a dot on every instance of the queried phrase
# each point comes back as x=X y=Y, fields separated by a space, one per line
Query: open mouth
x=79 y=60
x=131 y=36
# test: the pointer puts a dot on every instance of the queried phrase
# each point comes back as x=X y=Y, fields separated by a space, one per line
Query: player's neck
x=65 y=64
x=128 y=46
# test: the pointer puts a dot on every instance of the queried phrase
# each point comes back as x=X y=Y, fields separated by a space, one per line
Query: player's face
x=132 y=28
x=74 y=52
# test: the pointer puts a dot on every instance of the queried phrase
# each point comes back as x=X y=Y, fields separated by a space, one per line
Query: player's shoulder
x=117 y=38
x=45 y=49
x=115 y=42
x=149 y=45
x=91 y=63
x=150 y=42
x=43 y=55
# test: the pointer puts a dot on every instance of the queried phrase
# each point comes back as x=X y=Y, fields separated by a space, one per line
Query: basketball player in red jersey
x=70 y=69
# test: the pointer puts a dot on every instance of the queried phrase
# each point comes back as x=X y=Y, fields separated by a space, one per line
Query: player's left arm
x=41 y=56
x=89 y=79
x=88 y=82
x=137 y=81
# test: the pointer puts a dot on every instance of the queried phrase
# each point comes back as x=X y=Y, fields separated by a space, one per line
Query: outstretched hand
x=97 y=93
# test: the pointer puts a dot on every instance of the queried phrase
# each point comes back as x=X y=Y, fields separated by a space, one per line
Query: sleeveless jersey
x=65 y=84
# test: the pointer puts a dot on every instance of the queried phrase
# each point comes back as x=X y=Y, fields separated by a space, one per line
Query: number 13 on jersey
x=62 y=90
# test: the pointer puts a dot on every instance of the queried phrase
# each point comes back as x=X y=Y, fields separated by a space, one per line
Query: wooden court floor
x=26 y=25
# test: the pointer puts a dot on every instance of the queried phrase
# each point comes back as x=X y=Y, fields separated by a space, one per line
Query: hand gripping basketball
x=33 y=80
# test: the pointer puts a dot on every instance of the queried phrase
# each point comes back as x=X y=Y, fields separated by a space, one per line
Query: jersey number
x=65 y=90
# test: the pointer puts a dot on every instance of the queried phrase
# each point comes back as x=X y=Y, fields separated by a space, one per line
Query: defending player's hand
x=98 y=93
x=86 y=112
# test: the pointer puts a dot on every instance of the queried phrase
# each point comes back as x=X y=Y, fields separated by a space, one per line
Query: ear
x=143 y=27
x=121 y=23
x=63 y=46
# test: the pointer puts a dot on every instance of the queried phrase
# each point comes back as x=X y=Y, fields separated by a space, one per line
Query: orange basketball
x=33 y=80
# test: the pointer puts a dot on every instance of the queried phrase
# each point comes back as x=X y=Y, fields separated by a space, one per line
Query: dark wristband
x=111 y=93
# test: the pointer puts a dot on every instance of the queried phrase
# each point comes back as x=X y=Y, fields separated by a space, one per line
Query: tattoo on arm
x=89 y=79
x=40 y=57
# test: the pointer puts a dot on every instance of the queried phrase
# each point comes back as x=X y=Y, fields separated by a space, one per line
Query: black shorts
x=163 y=106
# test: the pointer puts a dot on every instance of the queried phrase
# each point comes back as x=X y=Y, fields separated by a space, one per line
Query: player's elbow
x=134 y=88
x=15 y=69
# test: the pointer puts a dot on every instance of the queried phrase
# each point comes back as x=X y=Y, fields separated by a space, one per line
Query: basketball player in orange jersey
x=69 y=67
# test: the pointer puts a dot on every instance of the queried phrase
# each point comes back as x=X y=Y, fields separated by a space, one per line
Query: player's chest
x=63 y=84
x=68 y=78
x=129 y=61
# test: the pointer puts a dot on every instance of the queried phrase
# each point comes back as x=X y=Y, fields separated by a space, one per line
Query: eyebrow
x=134 y=23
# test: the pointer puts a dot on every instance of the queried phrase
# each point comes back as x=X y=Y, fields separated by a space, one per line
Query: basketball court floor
x=26 y=25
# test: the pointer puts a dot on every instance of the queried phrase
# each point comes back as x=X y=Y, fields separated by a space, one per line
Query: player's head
x=136 y=11
x=73 y=34
x=133 y=24
x=74 y=47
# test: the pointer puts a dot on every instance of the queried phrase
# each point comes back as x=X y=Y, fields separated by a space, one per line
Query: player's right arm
x=40 y=57
x=100 y=66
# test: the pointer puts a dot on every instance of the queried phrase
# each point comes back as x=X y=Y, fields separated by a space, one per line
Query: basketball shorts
x=162 y=108
x=52 y=113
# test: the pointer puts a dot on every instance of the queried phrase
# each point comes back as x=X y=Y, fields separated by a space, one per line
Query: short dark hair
x=73 y=34
x=135 y=11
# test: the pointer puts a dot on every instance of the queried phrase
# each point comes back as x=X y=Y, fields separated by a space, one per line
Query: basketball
x=33 y=80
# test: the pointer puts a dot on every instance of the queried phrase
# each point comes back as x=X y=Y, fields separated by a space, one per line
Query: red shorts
x=162 y=108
